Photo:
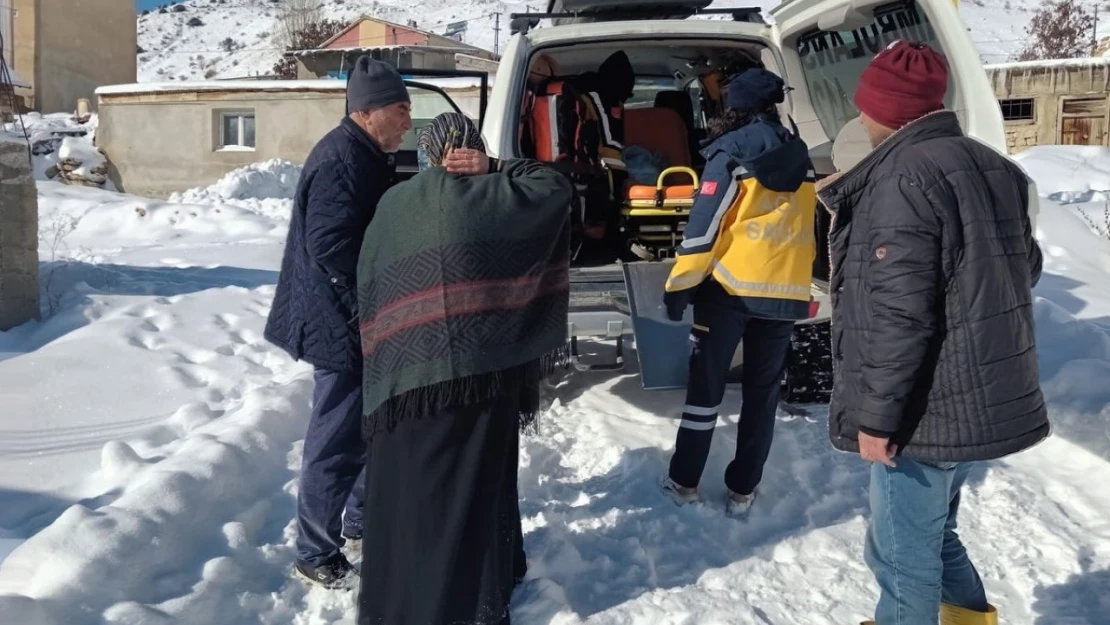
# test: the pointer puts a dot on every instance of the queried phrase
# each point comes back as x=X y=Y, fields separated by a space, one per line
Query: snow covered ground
x=240 y=38
x=150 y=443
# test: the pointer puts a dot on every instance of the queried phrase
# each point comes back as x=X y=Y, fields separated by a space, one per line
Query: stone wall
x=19 y=253
x=1021 y=137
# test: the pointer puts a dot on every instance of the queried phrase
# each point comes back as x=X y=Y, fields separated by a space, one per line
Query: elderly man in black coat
x=315 y=311
x=934 y=262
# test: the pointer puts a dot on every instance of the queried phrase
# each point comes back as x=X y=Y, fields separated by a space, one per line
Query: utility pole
x=1094 y=34
x=496 y=29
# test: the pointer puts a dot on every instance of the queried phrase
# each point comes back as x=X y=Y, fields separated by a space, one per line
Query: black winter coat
x=315 y=311
x=934 y=262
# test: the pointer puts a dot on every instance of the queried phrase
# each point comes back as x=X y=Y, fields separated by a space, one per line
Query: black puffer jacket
x=934 y=263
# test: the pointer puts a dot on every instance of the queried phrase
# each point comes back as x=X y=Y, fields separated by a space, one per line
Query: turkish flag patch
x=708 y=187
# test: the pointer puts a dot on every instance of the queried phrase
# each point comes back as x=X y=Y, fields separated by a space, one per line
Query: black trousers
x=442 y=521
x=719 y=325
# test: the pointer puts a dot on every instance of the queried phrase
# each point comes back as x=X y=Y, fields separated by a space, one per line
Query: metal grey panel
x=662 y=345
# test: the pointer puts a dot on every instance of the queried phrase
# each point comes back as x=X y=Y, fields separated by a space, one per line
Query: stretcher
x=655 y=216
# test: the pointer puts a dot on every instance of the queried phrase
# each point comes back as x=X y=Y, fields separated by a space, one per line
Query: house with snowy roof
x=63 y=50
x=403 y=46
x=1057 y=102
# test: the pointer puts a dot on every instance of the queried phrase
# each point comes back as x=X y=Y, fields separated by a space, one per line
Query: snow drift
x=273 y=179
x=265 y=188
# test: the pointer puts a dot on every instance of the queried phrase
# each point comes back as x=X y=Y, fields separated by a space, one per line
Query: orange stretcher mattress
x=663 y=200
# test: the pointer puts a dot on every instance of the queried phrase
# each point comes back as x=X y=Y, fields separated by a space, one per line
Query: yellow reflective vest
x=752 y=225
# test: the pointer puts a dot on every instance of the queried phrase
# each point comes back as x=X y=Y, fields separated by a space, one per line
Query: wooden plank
x=1069 y=131
x=1086 y=107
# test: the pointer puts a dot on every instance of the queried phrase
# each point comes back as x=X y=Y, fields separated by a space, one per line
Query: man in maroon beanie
x=935 y=364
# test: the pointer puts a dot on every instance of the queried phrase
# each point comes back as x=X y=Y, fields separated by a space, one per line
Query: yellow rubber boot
x=952 y=615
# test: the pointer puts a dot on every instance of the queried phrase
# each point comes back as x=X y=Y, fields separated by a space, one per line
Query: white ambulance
x=678 y=50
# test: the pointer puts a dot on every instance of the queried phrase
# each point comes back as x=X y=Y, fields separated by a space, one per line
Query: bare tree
x=1060 y=29
x=309 y=37
x=53 y=237
x=297 y=16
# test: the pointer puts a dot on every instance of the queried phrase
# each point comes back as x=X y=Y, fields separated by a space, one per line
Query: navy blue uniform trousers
x=333 y=468
x=720 y=322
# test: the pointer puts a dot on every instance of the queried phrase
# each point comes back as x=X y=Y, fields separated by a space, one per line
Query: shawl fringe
x=432 y=401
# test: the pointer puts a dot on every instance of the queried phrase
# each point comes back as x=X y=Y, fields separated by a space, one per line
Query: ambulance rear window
x=833 y=61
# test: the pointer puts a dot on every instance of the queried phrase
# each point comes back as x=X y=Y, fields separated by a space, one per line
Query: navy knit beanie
x=373 y=85
x=754 y=89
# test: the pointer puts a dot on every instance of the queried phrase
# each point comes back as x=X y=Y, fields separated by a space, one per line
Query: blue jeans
x=333 y=468
x=912 y=546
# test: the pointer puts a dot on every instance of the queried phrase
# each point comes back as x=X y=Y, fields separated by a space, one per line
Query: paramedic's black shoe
x=334 y=574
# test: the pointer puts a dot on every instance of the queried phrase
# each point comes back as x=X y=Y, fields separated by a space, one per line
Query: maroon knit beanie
x=903 y=83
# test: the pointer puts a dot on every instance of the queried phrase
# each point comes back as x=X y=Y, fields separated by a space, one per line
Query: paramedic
x=746 y=264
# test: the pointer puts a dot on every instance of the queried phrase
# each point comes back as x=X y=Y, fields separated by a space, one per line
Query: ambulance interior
x=679 y=86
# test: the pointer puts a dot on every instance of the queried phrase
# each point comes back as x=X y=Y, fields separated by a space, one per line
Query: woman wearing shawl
x=463 y=292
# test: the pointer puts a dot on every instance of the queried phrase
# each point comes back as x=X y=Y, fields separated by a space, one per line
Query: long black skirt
x=442 y=523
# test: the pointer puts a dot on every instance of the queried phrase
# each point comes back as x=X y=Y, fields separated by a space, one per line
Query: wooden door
x=1083 y=122
x=1077 y=131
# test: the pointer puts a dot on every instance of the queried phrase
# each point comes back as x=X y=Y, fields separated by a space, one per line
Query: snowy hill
x=242 y=37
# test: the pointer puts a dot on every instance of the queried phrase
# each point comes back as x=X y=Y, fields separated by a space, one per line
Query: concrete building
x=19 y=240
x=402 y=46
x=162 y=138
x=65 y=49
x=1062 y=102
x=369 y=32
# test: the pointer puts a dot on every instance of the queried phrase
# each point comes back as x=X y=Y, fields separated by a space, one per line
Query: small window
x=237 y=131
x=1017 y=110
x=426 y=106
x=645 y=90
